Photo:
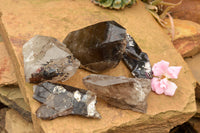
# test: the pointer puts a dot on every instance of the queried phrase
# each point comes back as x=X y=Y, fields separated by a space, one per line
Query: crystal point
x=136 y=60
x=45 y=58
x=99 y=47
x=61 y=100
x=122 y=92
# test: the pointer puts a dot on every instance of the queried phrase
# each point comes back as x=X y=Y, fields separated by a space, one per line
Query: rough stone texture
x=136 y=60
x=61 y=100
x=121 y=92
x=2 y=105
x=7 y=74
x=43 y=17
x=187 y=10
x=12 y=97
x=198 y=108
x=2 y=120
x=197 y=90
x=194 y=65
x=45 y=58
x=99 y=47
x=187 y=37
x=195 y=122
x=14 y=123
x=186 y=127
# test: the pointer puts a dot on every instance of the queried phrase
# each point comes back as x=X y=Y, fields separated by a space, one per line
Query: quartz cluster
x=122 y=92
x=45 y=58
x=62 y=100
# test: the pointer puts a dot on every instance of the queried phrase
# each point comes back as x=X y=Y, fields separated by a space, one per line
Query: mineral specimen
x=122 y=92
x=62 y=100
x=136 y=60
x=99 y=47
x=45 y=58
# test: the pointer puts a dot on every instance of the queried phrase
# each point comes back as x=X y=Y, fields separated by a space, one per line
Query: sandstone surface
x=12 y=122
x=2 y=119
x=195 y=122
x=23 y=19
x=186 y=37
x=12 y=97
x=194 y=65
x=7 y=74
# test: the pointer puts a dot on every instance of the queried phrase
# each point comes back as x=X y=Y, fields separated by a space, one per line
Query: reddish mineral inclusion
x=45 y=58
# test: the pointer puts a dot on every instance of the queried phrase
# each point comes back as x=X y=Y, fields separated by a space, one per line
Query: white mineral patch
x=30 y=57
x=77 y=95
x=59 y=89
x=130 y=40
x=70 y=68
x=84 y=98
x=91 y=108
x=147 y=67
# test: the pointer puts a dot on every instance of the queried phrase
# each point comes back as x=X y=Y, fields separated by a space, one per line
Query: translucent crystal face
x=45 y=58
x=99 y=47
x=122 y=92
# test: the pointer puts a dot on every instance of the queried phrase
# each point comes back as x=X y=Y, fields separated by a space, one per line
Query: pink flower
x=160 y=84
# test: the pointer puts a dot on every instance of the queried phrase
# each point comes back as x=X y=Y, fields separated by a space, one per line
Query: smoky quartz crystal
x=45 y=58
x=61 y=100
x=121 y=92
x=99 y=47
x=136 y=60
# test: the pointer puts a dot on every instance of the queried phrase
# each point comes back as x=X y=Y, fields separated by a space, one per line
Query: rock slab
x=12 y=122
x=161 y=114
x=12 y=97
x=7 y=74
x=194 y=65
x=186 y=37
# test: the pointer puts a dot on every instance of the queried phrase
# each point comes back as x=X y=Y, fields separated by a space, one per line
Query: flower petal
x=159 y=90
x=170 y=89
x=158 y=85
x=160 y=68
x=173 y=72
x=154 y=83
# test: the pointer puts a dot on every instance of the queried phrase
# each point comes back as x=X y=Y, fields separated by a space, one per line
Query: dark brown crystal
x=136 y=60
x=61 y=100
x=121 y=92
x=99 y=47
